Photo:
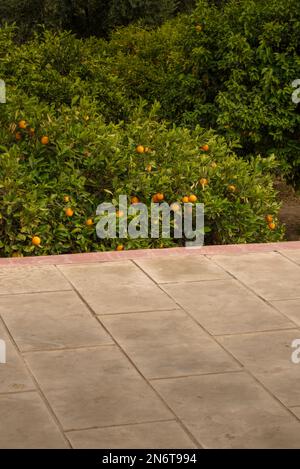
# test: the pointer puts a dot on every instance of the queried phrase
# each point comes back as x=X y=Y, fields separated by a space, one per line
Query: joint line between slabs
x=193 y=319
x=35 y=292
x=223 y=347
x=37 y=386
x=269 y=392
x=288 y=258
x=251 y=290
x=119 y=425
x=181 y=424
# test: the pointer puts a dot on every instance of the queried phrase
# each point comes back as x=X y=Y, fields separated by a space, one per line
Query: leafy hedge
x=59 y=69
x=228 y=67
x=85 y=161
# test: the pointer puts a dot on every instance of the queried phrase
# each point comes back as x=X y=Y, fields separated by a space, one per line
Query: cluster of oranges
x=189 y=198
x=141 y=149
x=25 y=127
x=158 y=197
x=69 y=212
x=270 y=221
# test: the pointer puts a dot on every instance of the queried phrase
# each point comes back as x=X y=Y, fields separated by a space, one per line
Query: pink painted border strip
x=110 y=256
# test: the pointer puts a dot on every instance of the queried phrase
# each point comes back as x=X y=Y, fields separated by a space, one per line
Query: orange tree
x=60 y=69
x=50 y=188
x=229 y=67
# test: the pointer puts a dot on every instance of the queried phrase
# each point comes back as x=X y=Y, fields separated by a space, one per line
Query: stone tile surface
x=25 y=423
x=14 y=376
x=290 y=308
x=269 y=357
x=156 y=435
x=230 y=410
x=51 y=321
x=296 y=411
x=117 y=287
x=168 y=343
x=95 y=387
x=188 y=269
x=28 y=279
x=204 y=359
x=294 y=255
x=270 y=275
x=226 y=307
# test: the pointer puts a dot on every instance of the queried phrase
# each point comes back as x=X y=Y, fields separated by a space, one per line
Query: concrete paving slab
x=227 y=307
x=168 y=343
x=118 y=287
x=95 y=387
x=155 y=435
x=43 y=321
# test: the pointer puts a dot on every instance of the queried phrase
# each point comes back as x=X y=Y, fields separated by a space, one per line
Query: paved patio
x=164 y=350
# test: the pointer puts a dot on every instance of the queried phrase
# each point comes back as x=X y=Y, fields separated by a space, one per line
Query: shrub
x=59 y=69
x=86 y=18
x=229 y=67
x=90 y=161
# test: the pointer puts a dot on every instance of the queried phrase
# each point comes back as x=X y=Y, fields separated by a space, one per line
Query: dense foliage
x=85 y=161
x=88 y=17
x=230 y=68
x=77 y=108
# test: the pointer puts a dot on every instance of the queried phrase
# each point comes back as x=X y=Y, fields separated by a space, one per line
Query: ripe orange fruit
x=44 y=140
x=149 y=168
x=203 y=182
x=18 y=136
x=89 y=222
x=205 y=147
x=185 y=199
x=120 y=247
x=36 y=241
x=134 y=200
x=192 y=198
x=269 y=218
x=140 y=149
x=120 y=213
x=232 y=188
x=66 y=198
x=160 y=197
x=22 y=125
x=69 y=212
x=272 y=226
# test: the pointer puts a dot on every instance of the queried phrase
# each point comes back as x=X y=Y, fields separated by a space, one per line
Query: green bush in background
x=228 y=67
x=220 y=76
x=89 y=161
